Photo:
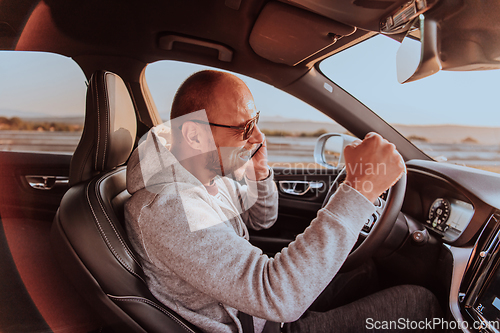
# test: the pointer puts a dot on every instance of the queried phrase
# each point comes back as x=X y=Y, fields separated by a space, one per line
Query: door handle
x=46 y=182
x=299 y=187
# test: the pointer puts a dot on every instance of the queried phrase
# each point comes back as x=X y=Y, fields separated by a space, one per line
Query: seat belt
x=246 y=322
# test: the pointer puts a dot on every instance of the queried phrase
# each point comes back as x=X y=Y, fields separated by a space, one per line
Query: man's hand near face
x=257 y=168
x=373 y=165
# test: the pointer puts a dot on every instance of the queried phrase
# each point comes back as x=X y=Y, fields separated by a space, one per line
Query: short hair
x=196 y=93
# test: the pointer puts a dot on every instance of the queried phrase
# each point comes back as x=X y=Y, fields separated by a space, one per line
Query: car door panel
x=40 y=297
x=17 y=196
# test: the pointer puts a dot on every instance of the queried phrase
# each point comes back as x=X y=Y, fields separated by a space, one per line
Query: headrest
x=110 y=128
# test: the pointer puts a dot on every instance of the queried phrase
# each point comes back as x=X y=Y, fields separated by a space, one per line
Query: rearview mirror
x=417 y=59
x=329 y=150
x=451 y=37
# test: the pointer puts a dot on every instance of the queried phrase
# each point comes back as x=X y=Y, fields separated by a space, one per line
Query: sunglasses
x=247 y=129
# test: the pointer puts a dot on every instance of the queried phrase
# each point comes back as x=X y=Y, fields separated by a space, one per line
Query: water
x=280 y=149
x=34 y=141
x=467 y=154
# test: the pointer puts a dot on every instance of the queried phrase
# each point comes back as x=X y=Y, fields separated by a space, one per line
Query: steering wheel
x=383 y=220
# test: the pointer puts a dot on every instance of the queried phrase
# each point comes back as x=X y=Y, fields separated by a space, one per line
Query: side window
x=290 y=125
x=42 y=102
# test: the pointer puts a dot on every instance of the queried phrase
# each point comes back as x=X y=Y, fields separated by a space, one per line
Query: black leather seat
x=88 y=233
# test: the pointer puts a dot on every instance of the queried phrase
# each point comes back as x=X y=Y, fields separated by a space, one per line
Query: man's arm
x=259 y=198
x=223 y=265
x=264 y=212
x=260 y=179
x=219 y=263
x=257 y=201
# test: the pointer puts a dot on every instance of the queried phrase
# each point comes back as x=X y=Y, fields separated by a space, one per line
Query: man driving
x=189 y=215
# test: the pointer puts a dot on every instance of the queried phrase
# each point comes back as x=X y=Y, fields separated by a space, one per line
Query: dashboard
x=453 y=202
x=461 y=207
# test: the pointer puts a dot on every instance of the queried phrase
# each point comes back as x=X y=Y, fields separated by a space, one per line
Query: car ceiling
x=133 y=29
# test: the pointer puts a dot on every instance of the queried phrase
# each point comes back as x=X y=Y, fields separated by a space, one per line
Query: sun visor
x=289 y=35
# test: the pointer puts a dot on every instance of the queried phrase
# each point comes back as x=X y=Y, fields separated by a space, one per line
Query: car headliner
x=126 y=29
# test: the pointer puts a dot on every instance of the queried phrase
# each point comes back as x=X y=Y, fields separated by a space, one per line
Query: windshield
x=451 y=116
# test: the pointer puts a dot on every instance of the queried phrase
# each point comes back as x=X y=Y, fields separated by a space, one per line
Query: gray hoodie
x=195 y=251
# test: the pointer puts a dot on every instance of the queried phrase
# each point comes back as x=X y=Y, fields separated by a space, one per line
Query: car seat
x=88 y=233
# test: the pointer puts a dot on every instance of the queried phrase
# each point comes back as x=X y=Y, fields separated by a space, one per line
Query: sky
x=164 y=77
x=463 y=98
x=37 y=83
x=48 y=84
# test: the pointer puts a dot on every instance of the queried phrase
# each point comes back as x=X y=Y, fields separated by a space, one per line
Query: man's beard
x=228 y=162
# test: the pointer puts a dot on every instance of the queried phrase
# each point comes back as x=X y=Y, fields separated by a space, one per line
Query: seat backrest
x=88 y=234
x=110 y=128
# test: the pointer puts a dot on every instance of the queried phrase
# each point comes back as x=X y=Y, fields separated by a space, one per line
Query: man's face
x=234 y=107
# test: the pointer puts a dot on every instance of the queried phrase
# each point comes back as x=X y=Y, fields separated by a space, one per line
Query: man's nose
x=257 y=136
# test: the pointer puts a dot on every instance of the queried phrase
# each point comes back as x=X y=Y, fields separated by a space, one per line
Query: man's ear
x=191 y=134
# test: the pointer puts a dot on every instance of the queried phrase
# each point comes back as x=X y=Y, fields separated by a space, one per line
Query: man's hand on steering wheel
x=372 y=165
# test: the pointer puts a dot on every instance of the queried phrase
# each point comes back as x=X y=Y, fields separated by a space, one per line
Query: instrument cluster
x=449 y=217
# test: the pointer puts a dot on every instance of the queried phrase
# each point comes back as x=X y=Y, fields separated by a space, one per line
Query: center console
x=480 y=296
